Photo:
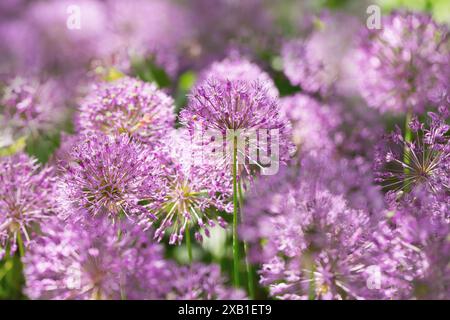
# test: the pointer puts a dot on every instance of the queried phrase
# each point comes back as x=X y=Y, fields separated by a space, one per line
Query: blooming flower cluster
x=319 y=63
x=128 y=106
x=237 y=111
x=89 y=261
x=26 y=200
x=425 y=161
x=106 y=176
x=404 y=63
x=156 y=149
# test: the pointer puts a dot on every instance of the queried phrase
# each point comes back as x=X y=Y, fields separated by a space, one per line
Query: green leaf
x=17 y=146
x=148 y=71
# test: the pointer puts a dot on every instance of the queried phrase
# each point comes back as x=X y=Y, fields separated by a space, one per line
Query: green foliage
x=440 y=9
x=43 y=145
x=185 y=83
x=11 y=278
x=147 y=70
x=17 y=146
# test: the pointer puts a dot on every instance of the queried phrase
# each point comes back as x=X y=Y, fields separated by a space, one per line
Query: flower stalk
x=235 y=218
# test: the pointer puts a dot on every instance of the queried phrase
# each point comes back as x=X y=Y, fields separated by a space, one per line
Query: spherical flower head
x=128 y=106
x=315 y=248
x=91 y=261
x=235 y=68
x=359 y=130
x=350 y=177
x=28 y=105
x=402 y=63
x=226 y=115
x=26 y=199
x=319 y=61
x=189 y=195
x=402 y=165
x=311 y=241
x=312 y=123
x=201 y=282
x=106 y=177
x=413 y=246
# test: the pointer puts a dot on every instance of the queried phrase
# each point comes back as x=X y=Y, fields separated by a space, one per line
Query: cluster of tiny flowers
x=312 y=124
x=189 y=194
x=410 y=247
x=404 y=62
x=89 y=261
x=141 y=141
x=318 y=247
x=202 y=282
x=318 y=62
x=246 y=111
x=106 y=176
x=128 y=106
x=402 y=165
x=29 y=105
x=235 y=68
x=27 y=194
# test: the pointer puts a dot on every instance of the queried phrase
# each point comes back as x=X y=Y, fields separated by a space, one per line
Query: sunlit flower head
x=238 y=117
x=319 y=63
x=106 y=176
x=27 y=199
x=403 y=165
x=28 y=105
x=235 y=68
x=312 y=123
x=403 y=62
x=202 y=282
x=189 y=195
x=129 y=106
x=92 y=261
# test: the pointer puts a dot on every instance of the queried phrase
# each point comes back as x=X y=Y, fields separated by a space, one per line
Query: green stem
x=235 y=218
x=189 y=244
x=250 y=280
x=312 y=284
x=408 y=138
x=20 y=244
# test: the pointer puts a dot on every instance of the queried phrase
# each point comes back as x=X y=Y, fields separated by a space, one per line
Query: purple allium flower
x=414 y=247
x=237 y=110
x=349 y=177
x=315 y=248
x=106 y=176
x=201 y=282
x=317 y=63
x=360 y=129
x=236 y=68
x=402 y=165
x=401 y=63
x=189 y=194
x=91 y=261
x=128 y=106
x=26 y=199
x=314 y=244
x=312 y=123
x=28 y=105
